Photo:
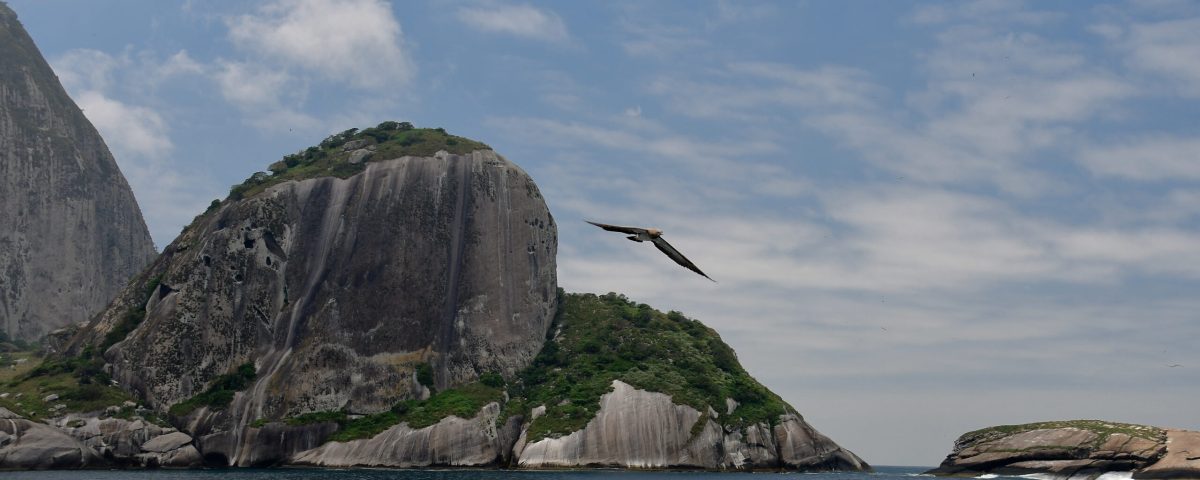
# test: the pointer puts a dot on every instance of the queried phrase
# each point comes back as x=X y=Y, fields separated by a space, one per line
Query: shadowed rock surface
x=335 y=290
x=1078 y=448
x=72 y=232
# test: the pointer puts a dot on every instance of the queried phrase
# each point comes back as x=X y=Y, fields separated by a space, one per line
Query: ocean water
x=880 y=473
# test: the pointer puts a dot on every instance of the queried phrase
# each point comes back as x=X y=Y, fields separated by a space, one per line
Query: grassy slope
x=81 y=390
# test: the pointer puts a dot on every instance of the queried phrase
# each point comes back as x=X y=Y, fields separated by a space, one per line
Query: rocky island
x=388 y=298
x=1075 y=449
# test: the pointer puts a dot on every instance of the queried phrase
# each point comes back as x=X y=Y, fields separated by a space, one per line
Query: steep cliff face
x=72 y=233
x=333 y=292
x=1076 y=449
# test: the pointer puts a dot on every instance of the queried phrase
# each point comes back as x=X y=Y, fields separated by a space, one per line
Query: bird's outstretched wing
x=618 y=228
x=678 y=257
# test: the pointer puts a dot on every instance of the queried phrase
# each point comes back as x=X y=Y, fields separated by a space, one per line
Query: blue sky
x=925 y=218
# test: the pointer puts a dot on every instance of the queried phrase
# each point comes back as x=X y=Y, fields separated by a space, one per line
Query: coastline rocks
x=1182 y=459
x=132 y=442
x=633 y=429
x=29 y=445
x=640 y=429
x=1077 y=449
x=83 y=441
x=456 y=442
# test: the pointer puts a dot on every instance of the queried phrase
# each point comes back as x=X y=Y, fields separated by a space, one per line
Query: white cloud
x=1156 y=158
x=246 y=85
x=658 y=40
x=1007 y=12
x=712 y=158
x=357 y=42
x=1168 y=49
x=138 y=135
x=755 y=90
x=181 y=63
x=86 y=69
x=518 y=20
x=129 y=130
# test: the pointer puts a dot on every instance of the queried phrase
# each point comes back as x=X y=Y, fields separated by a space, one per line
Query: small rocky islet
x=1083 y=449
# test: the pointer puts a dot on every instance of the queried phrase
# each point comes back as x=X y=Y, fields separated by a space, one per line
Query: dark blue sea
x=880 y=473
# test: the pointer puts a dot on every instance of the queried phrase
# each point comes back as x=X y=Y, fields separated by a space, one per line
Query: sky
x=924 y=218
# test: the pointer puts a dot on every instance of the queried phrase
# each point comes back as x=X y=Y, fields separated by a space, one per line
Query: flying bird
x=654 y=235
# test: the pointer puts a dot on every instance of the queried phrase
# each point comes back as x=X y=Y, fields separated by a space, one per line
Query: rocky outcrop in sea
x=1083 y=449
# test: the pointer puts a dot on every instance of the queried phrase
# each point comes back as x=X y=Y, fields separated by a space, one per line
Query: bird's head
x=654 y=232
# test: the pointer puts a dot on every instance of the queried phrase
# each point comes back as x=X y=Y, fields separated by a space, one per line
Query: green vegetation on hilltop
x=332 y=156
x=1101 y=428
x=608 y=337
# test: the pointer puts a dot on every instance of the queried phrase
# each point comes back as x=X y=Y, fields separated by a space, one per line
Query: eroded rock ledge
x=1082 y=449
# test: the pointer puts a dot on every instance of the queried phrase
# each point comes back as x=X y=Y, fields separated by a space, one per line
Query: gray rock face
x=30 y=445
x=337 y=289
x=72 y=232
x=639 y=429
x=1182 y=459
x=1082 y=449
x=453 y=441
x=135 y=443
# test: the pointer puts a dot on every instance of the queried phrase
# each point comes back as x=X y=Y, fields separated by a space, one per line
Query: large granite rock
x=336 y=290
x=1077 y=449
x=72 y=233
x=1182 y=459
x=452 y=442
x=640 y=429
x=131 y=443
x=25 y=444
